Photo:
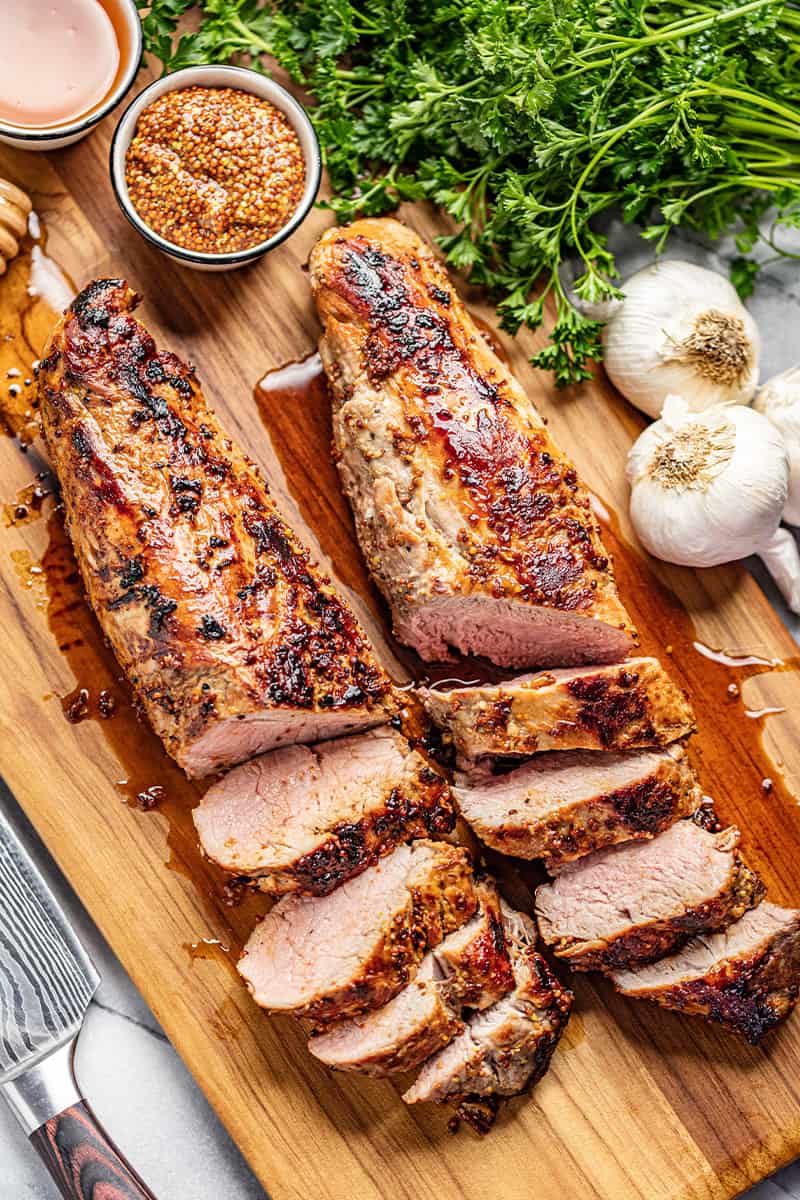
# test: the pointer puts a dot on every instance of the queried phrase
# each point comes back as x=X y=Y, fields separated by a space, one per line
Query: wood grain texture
x=640 y=1104
x=84 y=1163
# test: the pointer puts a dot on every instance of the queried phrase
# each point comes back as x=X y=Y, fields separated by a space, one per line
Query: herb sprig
x=530 y=121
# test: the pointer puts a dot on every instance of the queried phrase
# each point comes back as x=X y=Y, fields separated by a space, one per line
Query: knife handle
x=83 y=1161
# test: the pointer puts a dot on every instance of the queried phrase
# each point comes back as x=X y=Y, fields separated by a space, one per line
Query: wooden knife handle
x=84 y=1162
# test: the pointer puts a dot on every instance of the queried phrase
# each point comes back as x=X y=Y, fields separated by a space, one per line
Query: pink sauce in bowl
x=63 y=65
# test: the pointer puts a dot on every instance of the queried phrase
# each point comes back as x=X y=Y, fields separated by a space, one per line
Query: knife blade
x=47 y=981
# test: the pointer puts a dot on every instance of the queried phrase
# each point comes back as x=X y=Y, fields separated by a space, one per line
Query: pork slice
x=563 y=804
x=745 y=978
x=622 y=707
x=472 y=521
x=338 y=955
x=306 y=818
x=397 y=1037
x=506 y=1048
x=470 y=968
x=474 y=961
x=232 y=639
x=635 y=903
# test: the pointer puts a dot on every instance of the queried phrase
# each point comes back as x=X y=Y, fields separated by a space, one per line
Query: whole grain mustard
x=214 y=169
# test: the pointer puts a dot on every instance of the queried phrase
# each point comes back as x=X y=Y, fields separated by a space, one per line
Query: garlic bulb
x=710 y=487
x=681 y=329
x=779 y=401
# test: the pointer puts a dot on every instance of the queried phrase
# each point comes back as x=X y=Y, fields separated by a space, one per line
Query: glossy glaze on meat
x=505 y=1049
x=473 y=523
x=232 y=639
x=625 y=706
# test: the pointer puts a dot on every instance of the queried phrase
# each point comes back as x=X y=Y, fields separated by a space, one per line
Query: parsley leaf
x=530 y=123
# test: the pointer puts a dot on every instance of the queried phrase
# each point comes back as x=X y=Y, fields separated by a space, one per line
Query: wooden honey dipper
x=14 y=208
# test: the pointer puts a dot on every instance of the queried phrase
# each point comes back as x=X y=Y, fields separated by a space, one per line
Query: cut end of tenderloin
x=307 y=818
x=234 y=740
x=635 y=903
x=626 y=706
x=745 y=978
x=507 y=1048
x=335 y=956
x=564 y=804
x=509 y=633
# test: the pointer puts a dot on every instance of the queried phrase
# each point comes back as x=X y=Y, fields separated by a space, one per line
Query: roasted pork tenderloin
x=232 y=640
x=626 y=706
x=634 y=903
x=507 y=1048
x=745 y=978
x=306 y=818
x=473 y=523
x=564 y=804
x=470 y=968
x=327 y=957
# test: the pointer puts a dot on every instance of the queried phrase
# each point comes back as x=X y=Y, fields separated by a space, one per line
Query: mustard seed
x=214 y=169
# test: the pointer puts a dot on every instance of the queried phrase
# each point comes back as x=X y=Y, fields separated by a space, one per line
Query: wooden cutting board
x=639 y=1103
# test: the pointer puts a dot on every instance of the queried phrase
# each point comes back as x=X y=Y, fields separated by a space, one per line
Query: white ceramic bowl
x=64 y=135
x=233 y=77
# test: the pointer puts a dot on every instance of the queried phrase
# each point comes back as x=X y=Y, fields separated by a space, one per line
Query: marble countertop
x=125 y=1060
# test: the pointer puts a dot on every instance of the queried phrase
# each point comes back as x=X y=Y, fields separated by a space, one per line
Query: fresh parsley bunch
x=528 y=120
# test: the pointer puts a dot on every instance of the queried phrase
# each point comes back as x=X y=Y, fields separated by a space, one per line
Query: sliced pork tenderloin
x=563 y=804
x=474 y=962
x=634 y=903
x=232 y=639
x=306 y=818
x=470 y=968
x=745 y=978
x=508 y=1047
x=622 y=707
x=334 y=956
x=397 y=1037
x=472 y=521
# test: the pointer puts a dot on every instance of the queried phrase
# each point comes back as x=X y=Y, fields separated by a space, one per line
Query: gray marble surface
x=133 y=1077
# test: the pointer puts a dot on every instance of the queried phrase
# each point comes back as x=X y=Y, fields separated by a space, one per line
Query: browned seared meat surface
x=474 y=962
x=508 y=1047
x=335 y=956
x=635 y=903
x=561 y=805
x=232 y=639
x=621 y=707
x=473 y=523
x=397 y=1037
x=306 y=818
x=745 y=978
x=470 y=968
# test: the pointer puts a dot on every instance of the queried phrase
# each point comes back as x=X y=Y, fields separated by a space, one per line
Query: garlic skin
x=710 y=487
x=779 y=401
x=681 y=330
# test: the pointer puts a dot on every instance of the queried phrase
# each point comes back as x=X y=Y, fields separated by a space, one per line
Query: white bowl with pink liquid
x=63 y=67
